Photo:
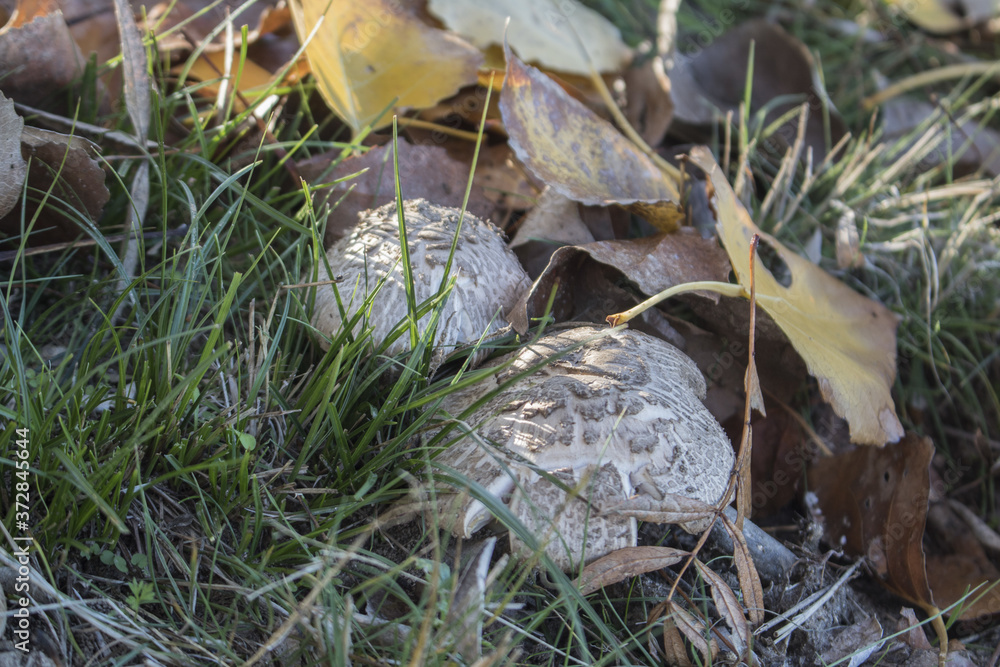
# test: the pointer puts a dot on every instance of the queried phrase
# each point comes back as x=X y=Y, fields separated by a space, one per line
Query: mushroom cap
x=618 y=415
x=489 y=277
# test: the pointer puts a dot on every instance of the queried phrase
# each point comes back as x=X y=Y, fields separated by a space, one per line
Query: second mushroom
x=590 y=419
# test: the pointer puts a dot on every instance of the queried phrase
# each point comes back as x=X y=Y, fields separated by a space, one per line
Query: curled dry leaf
x=12 y=165
x=626 y=563
x=563 y=35
x=578 y=154
x=370 y=57
x=67 y=167
x=613 y=414
x=652 y=264
x=488 y=277
x=847 y=341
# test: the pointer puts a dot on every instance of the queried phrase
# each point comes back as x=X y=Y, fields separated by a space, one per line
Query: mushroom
x=488 y=276
x=615 y=419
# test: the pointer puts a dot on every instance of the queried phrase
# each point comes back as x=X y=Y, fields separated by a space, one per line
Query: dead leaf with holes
x=874 y=504
x=370 y=57
x=847 y=341
x=576 y=153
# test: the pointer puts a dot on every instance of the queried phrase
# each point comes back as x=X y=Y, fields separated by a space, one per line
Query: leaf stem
x=725 y=289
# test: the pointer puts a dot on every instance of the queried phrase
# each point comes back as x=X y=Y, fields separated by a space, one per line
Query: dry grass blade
x=138 y=103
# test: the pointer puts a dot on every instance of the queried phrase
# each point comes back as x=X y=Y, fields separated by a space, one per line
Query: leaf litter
x=583 y=257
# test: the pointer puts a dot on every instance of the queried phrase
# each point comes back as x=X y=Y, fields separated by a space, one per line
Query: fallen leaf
x=746 y=571
x=847 y=341
x=39 y=57
x=67 y=167
x=554 y=222
x=626 y=563
x=652 y=264
x=371 y=57
x=578 y=154
x=965 y=145
x=957 y=564
x=560 y=35
x=12 y=165
x=425 y=172
x=943 y=17
x=874 y=504
x=728 y=605
x=707 y=83
x=693 y=631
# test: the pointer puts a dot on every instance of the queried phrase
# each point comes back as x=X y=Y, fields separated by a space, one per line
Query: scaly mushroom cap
x=489 y=277
x=619 y=415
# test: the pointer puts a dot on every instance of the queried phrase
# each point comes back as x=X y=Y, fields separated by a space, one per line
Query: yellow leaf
x=252 y=80
x=581 y=156
x=847 y=340
x=370 y=56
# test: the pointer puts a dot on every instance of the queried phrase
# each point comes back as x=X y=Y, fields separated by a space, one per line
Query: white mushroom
x=618 y=417
x=489 y=278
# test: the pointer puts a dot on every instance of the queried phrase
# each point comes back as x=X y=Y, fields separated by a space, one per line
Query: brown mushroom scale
x=617 y=415
x=489 y=278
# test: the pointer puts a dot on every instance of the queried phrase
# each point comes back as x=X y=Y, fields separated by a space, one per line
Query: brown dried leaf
x=425 y=172
x=746 y=571
x=674 y=648
x=653 y=264
x=580 y=155
x=671 y=508
x=39 y=56
x=707 y=83
x=957 y=563
x=66 y=166
x=624 y=563
x=693 y=631
x=729 y=607
x=12 y=165
x=554 y=222
x=201 y=18
x=874 y=504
